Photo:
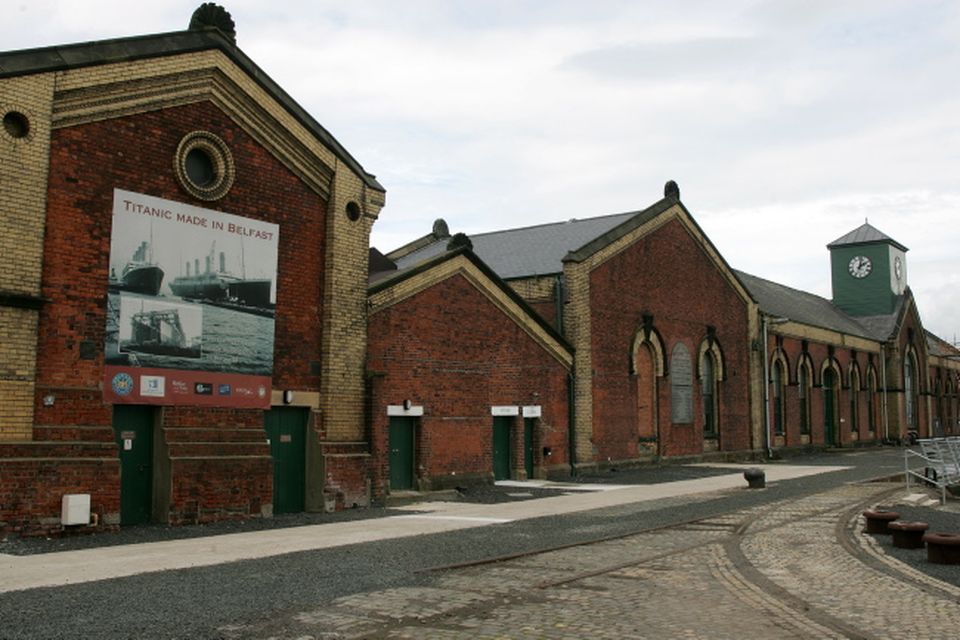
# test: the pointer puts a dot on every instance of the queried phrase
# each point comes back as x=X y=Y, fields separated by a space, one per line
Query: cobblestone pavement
x=793 y=569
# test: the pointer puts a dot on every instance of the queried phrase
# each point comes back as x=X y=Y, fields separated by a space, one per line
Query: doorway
x=286 y=429
x=502 y=428
x=133 y=431
x=401 y=439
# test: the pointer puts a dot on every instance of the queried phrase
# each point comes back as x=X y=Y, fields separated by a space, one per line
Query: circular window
x=204 y=166
x=353 y=211
x=200 y=168
x=16 y=124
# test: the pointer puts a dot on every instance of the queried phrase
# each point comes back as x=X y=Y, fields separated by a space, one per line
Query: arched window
x=909 y=392
x=803 y=390
x=872 y=400
x=829 y=383
x=854 y=398
x=708 y=382
x=681 y=385
x=779 y=417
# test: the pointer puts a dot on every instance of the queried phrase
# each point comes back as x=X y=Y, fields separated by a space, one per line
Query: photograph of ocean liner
x=215 y=283
x=141 y=274
x=212 y=292
x=151 y=326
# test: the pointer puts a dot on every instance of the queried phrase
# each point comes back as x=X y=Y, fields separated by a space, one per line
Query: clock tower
x=868 y=271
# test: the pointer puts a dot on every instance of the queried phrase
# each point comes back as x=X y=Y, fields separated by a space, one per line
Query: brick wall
x=210 y=479
x=453 y=351
x=667 y=275
x=22 y=202
x=35 y=476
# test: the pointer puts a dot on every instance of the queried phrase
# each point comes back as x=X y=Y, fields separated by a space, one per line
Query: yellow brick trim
x=803 y=331
x=577 y=321
x=535 y=289
x=344 y=322
x=104 y=92
x=23 y=189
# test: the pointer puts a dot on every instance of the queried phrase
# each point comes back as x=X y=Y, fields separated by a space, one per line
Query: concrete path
x=72 y=567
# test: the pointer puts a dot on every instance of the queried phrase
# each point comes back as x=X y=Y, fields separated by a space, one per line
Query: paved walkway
x=796 y=569
x=72 y=567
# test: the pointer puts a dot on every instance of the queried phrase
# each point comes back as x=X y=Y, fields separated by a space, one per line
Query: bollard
x=878 y=520
x=756 y=478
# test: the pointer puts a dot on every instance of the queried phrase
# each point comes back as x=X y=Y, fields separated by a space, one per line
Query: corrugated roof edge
x=100 y=52
x=426 y=265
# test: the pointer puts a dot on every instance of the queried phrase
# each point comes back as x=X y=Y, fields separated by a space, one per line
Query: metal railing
x=936 y=463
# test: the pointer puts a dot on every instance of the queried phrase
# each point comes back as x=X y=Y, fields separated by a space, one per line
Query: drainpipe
x=883 y=398
x=558 y=302
x=766 y=390
x=571 y=432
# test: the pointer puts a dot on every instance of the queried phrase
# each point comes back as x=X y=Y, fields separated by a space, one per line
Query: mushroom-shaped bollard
x=878 y=520
x=756 y=478
x=943 y=548
x=908 y=535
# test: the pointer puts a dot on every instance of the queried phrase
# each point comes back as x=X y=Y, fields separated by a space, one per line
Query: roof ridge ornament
x=671 y=190
x=210 y=14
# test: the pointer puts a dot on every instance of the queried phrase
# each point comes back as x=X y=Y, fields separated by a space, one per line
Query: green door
x=401 y=453
x=528 y=446
x=133 y=430
x=829 y=404
x=501 y=447
x=286 y=429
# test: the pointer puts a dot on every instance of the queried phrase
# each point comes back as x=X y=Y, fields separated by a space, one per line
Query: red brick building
x=467 y=383
x=660 y=325
x=188 y=331
x=676 y=355
x=184 y=267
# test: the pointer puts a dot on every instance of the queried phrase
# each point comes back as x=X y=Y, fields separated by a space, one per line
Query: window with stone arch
x=647 y=364
x=778 y=392
x=872 y=399
x=711 y=374
x=803 y=393
x=681 y=385
x=910 y=392
x=951 y=406
x=708 y=395
x=854 y=397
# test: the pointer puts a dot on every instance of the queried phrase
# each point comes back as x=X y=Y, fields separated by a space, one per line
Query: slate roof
x=527 y=251
x=865 y=234
x=799 y=306
x=541 y=249
x=939 y=347
x=87 y=54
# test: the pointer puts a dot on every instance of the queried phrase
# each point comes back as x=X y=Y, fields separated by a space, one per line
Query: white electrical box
x=75 y=509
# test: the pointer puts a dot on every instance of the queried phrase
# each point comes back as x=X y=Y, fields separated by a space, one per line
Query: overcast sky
x=786 y=123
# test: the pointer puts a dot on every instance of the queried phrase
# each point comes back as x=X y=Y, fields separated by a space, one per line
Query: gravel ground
x=478 y=494
x=194 y=603
x=941 y=520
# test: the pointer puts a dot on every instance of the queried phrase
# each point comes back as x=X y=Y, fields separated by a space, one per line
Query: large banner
x=190 y=305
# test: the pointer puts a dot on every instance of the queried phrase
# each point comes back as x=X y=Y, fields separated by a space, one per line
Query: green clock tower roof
x=865 y=234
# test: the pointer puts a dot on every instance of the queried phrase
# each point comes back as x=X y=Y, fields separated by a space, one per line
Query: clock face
x=897 y=267
x=859 y=266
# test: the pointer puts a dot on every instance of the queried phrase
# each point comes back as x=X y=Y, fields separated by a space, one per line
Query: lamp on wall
x=407 y=404
x=287 y=396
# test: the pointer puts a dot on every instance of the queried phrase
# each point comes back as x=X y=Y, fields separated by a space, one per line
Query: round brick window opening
x=16 y=124
x=200 y=167
x=204 y=165
x=353 y=211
